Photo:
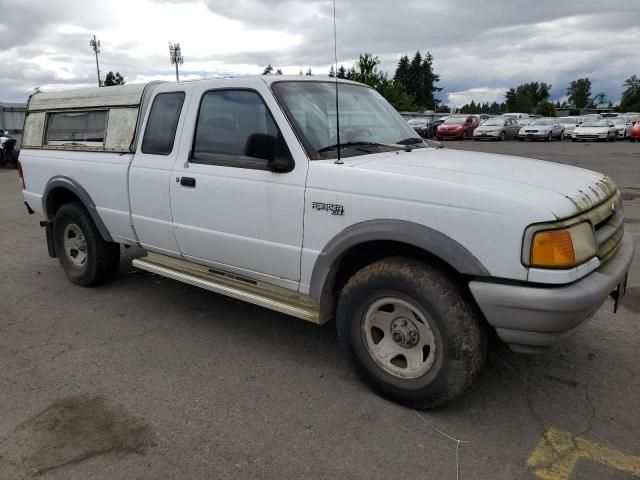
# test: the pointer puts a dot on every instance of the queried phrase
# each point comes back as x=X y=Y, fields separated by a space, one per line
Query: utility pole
x=95 y=44
x=175 y=53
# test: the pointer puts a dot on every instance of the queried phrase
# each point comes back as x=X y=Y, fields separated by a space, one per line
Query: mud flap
x=48 y=226
x=618 y=294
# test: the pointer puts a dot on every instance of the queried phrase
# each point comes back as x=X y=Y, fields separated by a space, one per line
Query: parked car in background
x=634 y=132
x=522 y=118
x=497 y=128
x=622 y=127
x=595 y=129
x=458 y=127
x=545 y=128
x=421 y=126
x=425 y=127
x=632 y=117
x=433 y=127
x=569 y=123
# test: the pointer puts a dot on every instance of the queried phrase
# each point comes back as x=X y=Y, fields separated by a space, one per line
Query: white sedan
x=595 y=129
x=622 y=127
x=542 y=128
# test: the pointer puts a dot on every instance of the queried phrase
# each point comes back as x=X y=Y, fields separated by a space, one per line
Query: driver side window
x=229 y=123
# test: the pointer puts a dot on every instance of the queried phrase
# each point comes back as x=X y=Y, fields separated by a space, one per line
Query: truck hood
x=562 y=189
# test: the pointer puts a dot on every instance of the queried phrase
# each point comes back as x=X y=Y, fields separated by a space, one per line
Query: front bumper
x=532 y=319
x=450 y=134
x=586 y=136
x=487 y=134
x=538 y=135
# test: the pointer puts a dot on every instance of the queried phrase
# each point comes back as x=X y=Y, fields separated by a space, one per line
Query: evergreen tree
x=546 y=108
x=268 y=70
x=418 y=79
x=365 y=70
x=279 y=71
x=630 y=100
x=526 y=96
x=402 y=72
x=309 y=72
x=579 y=92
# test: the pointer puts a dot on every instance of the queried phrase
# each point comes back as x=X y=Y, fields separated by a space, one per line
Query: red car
x=458 y=127
x=634 y=133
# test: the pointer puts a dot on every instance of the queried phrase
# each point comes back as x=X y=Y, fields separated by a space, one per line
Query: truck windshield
x=368 y=124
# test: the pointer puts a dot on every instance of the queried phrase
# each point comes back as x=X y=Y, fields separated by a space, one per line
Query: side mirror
x=272 y=149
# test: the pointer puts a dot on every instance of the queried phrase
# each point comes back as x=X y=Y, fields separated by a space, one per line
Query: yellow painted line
x=558 y=452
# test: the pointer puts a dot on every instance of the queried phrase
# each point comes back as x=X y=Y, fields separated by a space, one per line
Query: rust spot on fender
x=593 y=194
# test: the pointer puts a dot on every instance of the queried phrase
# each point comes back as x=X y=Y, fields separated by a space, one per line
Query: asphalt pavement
x=147 y=378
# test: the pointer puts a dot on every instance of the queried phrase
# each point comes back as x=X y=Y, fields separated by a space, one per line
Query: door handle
x=188 y=181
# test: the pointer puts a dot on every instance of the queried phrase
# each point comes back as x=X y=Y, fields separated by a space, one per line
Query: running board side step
x=235 y=286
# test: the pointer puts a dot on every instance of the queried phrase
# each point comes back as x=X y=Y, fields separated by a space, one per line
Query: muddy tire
x=85 y=257
x=411 y=332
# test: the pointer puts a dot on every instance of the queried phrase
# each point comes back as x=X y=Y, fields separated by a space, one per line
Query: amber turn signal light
x=553 y=248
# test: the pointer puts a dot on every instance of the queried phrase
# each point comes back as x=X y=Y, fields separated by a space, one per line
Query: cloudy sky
x=481 y=47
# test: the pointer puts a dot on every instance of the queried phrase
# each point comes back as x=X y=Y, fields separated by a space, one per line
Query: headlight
x=562 y=248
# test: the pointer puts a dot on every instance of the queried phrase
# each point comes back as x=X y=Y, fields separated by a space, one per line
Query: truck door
x=230 y=211
x=150 y=172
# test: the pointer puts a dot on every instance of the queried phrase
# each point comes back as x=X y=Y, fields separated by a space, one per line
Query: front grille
x=608 y=224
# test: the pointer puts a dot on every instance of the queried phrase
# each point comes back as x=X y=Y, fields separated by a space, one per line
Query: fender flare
x=420 y=236
x=75 y=188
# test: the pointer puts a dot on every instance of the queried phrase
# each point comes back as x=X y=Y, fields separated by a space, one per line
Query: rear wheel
x=464 y=135
x=410 y=332
x=85 y=257
x=502 y=136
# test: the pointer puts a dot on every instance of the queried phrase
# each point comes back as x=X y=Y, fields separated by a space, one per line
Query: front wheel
x=85 y=257
x=464 y=135
x=410 y=331
x=502 y=136
x=549 y=137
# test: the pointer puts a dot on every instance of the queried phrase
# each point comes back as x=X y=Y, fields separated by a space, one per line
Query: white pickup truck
x=238 y=186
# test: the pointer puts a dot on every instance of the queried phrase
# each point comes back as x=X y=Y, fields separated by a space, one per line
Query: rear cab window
x=160 y=132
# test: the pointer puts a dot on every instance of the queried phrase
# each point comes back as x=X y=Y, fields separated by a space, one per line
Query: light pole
x=95 y=44
x=175 y=53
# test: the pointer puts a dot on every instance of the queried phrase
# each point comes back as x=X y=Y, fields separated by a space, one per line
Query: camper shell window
x=76 y=128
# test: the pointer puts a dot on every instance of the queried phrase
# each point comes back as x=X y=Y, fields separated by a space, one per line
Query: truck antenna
x=335 y=75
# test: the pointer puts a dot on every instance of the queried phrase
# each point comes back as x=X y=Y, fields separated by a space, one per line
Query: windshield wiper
x=351 y=145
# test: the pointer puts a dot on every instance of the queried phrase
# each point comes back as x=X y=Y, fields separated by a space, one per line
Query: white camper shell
x=96 y=119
